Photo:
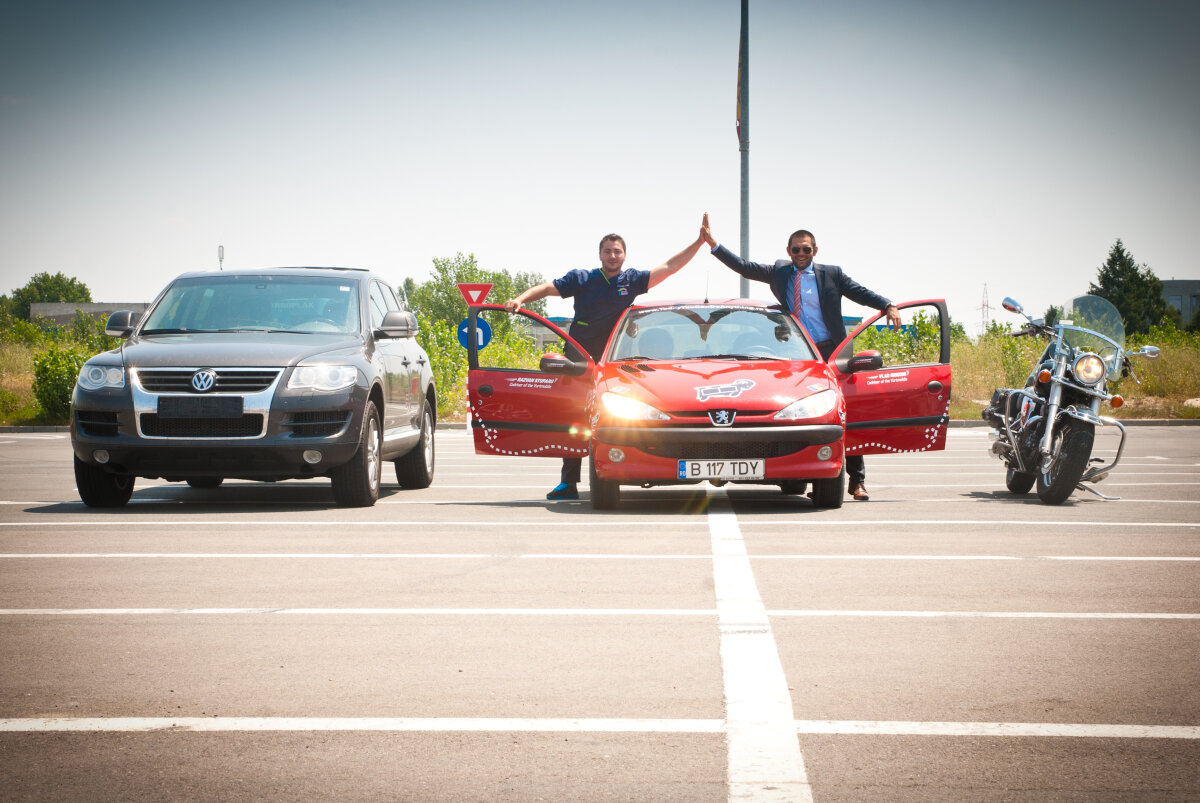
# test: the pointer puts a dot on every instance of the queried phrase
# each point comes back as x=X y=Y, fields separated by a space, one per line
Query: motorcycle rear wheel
x=1070 y=452
x=1019 y=483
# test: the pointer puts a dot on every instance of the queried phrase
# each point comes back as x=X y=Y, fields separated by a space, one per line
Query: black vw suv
x=267 y=374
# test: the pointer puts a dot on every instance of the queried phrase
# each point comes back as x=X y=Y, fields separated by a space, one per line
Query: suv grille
x=248 y=426
x=319 y=424
x=96 y=423
x=229 y=380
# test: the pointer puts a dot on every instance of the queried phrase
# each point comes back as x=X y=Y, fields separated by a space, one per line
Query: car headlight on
x=632 y=409
x=97 y=377
x=1089 y=369
x=322 y=377
x=814 y=406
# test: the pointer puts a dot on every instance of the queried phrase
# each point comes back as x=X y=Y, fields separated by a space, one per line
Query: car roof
x=277 y=271
x=695 y=302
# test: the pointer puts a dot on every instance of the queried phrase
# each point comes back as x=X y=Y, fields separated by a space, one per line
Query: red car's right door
x=903 y=405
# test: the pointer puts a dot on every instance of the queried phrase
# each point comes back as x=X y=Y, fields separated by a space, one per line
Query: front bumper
x=266 y=442
x=651 y=455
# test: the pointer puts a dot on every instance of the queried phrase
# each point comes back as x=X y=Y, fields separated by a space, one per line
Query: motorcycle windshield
x=1092 y=323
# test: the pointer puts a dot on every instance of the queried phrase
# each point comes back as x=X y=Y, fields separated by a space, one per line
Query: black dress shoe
x=859 y=491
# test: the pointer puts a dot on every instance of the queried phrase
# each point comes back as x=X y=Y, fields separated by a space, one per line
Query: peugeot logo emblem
x=204 y=380
x=722 y=418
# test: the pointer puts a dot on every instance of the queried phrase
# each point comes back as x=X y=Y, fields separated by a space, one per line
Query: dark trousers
x=571 y=470
x=854 y=462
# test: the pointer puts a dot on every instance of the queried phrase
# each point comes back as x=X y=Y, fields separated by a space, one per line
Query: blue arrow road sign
x=482 y=331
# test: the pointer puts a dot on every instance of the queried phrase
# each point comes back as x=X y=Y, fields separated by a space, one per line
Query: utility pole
x=220 y=257
x=743 y=128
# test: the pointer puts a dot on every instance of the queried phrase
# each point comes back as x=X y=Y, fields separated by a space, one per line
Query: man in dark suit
x=813 y=293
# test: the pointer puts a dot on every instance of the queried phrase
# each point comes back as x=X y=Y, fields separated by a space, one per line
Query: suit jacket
x=832 y=284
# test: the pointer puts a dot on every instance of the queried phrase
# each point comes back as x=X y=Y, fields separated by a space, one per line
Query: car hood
x=712 y=384
x=258 y=349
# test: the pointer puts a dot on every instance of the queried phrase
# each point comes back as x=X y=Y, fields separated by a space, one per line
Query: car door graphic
x=517 y=406
x=902 y=405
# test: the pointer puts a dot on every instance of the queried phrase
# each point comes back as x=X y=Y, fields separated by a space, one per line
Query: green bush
x=54 y=373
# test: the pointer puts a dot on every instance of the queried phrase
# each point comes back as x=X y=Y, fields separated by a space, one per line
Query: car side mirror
x=865 y=361
x=398 y=323
x=560 y=364
x=120 y=324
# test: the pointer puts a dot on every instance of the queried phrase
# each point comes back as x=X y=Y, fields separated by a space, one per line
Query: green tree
x=1134 y=290
x=439 y=299
x=44 y=288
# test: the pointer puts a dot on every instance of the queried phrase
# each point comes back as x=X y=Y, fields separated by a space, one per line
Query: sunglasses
x=801 y=249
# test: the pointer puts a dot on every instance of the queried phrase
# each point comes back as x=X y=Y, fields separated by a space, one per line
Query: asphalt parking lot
x=471 y=641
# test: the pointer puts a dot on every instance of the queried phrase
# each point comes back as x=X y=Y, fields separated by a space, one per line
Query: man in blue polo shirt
x=601 y=295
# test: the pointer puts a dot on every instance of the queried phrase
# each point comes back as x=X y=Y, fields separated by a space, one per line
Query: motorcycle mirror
x=1012 y=306
x=1149 y=352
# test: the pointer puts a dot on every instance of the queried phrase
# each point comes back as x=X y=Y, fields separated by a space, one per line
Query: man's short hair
x=803 y=233
x=615 y=238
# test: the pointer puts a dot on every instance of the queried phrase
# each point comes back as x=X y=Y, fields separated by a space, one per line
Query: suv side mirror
x=120 y=324
x=559 y=364
x=398 y=323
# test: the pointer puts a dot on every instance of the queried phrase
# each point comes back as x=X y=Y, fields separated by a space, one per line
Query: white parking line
x=630 y=526
x=764 y=753
x=560 y=556
x=632 y=612
x=585 y=725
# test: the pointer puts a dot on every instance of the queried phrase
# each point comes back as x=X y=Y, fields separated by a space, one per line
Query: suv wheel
x=415 y=469
x=98 y=488
x=356 y=484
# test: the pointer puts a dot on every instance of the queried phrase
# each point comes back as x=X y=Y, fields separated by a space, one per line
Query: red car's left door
x=898 y=401
x=521 y=404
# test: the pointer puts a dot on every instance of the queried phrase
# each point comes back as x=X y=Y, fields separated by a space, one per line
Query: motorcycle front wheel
x=1069 y=455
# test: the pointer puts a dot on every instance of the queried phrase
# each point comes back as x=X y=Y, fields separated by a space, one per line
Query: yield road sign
x=474 y=293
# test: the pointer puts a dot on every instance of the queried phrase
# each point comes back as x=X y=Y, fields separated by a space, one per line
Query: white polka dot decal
x=931 y=435
x=490 y=435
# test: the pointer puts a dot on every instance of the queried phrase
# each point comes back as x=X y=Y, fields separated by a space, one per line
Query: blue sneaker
x=564 y=490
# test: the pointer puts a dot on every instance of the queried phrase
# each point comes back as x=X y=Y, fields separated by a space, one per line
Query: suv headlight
x=1089 y=369
x=96 y=377
x=322 y=377
x=632 y=409
x=814 y=406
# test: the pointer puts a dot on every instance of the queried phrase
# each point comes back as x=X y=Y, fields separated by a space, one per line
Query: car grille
x=229 y=380
x=96 y=424
x=319 y=424
x=722 y=451
x=249 y=425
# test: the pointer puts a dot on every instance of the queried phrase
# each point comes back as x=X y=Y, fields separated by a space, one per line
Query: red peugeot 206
x=729 y=392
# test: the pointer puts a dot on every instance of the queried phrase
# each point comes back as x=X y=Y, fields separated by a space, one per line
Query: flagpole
x=744 y=136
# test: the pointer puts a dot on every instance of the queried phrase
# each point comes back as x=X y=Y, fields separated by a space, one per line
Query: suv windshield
x=256 y=303
x=709 y=332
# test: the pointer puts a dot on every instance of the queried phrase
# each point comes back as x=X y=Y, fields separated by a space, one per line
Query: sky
x=937 y=148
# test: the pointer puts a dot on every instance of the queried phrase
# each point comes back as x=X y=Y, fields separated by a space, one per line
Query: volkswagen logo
x=203 y=380
x=722 y=418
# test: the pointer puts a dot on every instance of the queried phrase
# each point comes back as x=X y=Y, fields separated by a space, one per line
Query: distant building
x=64 y=312
x=1183 y=295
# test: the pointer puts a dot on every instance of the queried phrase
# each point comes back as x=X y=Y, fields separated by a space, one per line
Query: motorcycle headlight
x=632 y=409
x=1089 y=369
x=95 y=377
x=322 y=377
x=813 y=406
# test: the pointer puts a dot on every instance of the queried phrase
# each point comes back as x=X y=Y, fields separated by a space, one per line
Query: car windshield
x=707 y=331
x=270 y=303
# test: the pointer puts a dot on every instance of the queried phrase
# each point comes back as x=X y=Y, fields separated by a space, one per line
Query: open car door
x=527 y=397
x=900 y=400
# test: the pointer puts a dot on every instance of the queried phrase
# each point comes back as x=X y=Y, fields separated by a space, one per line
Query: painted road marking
x=585 y=725
x=816 y=613
x=764 y=753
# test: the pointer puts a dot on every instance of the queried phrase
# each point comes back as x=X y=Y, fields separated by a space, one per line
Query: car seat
x=656 y=344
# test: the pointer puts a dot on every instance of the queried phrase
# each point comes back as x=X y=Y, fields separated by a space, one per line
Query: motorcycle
x=1044 y=432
